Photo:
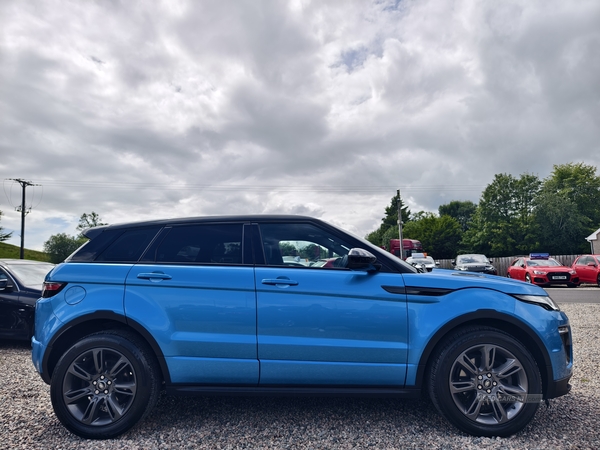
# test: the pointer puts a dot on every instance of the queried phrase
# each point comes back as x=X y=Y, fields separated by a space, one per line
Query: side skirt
x=292 y=391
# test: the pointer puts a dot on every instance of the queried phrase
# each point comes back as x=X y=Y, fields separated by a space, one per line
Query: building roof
x=593 y=236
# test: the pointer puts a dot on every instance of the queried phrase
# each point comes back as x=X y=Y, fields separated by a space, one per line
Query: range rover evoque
x=221 y=305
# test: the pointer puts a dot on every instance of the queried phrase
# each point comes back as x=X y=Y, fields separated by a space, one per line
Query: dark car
x=210 y=306
x=540 y=269
x=588 y=268
x=474 y=263
x=21 y=283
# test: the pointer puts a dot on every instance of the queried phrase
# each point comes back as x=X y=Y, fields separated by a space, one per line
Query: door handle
x=279 y=282
x=155 y=277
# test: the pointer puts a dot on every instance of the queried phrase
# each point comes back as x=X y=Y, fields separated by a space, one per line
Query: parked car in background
x=21 y=283
x=427 y=262
x=208 y=305
x=540 y=269
x=587 y=268
x=474 y=263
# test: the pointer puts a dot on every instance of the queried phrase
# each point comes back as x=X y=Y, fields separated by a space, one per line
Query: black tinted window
x=91 y=249
x=129 y=246
x=205 y=244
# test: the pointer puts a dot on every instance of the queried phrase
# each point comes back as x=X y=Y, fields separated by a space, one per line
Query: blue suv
x=286 y=305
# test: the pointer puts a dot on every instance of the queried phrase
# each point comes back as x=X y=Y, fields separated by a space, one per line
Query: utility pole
x=400 y=224
x=23 y=208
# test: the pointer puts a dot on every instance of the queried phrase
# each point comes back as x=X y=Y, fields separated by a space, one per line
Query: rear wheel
x=598 y=280
x=485 y=382
x=105 y=384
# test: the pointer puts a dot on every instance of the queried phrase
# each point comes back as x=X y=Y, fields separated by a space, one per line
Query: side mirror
x=360 y=259
x=437 y=263
x=4 y=285
x=453 y=262
x=420 y=267
x=591 y=264
x=491 y=261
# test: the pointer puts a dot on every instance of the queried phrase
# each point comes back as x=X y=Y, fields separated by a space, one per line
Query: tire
x=572 y=285
x=527 y=278
x=598 y=280
x=494 y=398
x=105 y=384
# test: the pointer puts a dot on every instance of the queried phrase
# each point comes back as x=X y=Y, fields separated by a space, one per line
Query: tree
x=461 y=211
x=504 y=222
x=440 y=236
x=389 y=226
x=568 y=208
x=89 y=220
x=61 y=245
x=4 y=236
x=561 y=227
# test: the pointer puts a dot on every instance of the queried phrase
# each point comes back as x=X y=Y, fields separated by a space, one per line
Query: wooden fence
x=501 y=264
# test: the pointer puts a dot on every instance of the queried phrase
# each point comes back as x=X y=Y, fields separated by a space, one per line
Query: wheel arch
x=92 y=323
x=494 y=319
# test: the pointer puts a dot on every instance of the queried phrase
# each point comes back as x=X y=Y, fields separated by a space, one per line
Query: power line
x=263 y=188
x=24 y=211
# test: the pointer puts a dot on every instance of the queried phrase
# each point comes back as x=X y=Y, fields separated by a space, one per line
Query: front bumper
x=558 y=388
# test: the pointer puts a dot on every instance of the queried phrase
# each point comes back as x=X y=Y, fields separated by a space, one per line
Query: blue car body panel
x=202 y=317
x=330 y=327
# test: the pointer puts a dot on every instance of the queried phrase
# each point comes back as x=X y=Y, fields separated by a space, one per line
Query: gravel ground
x=573 y=421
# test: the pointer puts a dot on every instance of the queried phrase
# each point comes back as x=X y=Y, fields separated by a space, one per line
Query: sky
x=143 y=110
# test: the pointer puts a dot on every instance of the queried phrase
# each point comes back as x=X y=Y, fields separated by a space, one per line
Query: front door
x=321 y=324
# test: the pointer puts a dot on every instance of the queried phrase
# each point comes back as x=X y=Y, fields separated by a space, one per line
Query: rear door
x=324 y=325
x=195 y=294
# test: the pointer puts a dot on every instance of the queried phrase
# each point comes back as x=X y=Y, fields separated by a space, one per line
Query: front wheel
x=105 y=384
x=485 y=382
x=527 y=278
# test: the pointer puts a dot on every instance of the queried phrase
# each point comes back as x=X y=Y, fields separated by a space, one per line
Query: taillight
x=51 y=288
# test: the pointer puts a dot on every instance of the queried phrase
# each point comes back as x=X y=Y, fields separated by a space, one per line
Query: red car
x=588 y=268
x=540 y=269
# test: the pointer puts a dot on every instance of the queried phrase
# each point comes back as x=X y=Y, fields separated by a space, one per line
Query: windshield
x=428 y=260
x=543 y=262
x=31 y=274
x=470 y=259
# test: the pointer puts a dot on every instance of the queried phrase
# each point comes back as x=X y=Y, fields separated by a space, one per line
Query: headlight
x=539 y=272
x=461 y=268
x=572 y=272
x=542 y=300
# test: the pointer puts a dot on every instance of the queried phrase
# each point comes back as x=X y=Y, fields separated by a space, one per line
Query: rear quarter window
x=128 y=246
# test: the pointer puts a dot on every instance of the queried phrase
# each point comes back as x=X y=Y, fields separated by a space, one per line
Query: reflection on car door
x=329 y=326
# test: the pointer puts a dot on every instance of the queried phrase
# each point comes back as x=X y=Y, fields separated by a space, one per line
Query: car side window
x=129 y=246
x=301 y=245
x=582 y=261
x=202 y=244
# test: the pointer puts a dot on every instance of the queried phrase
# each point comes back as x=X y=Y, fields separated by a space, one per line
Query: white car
x=427 y=261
